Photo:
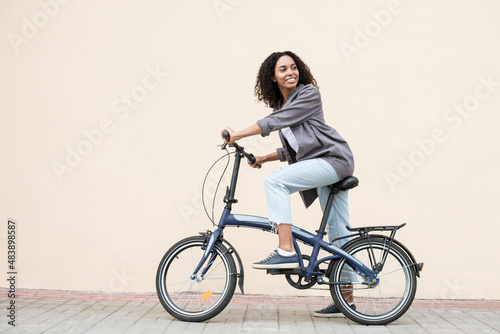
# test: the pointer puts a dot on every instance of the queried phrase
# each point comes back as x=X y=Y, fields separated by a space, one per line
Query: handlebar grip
x=251 y=160
x=226 y=135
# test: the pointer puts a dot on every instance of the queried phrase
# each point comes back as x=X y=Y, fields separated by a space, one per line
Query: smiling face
x=286 y=75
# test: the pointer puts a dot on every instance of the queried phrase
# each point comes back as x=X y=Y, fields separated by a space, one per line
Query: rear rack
x=368 y=229
x=364 y=231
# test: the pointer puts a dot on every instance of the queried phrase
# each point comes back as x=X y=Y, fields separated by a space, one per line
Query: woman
x=317 y=155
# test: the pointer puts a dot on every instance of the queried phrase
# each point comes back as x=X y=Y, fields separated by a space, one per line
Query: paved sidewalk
x=42 y=311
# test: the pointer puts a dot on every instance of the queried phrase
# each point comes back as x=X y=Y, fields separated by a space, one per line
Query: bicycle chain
x=329 y=288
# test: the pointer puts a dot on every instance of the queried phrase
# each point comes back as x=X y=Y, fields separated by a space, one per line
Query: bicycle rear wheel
x=380 y=304
x=202 y=296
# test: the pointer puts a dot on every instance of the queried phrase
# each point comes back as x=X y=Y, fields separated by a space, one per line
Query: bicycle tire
x=196 y=298
x=390 y=298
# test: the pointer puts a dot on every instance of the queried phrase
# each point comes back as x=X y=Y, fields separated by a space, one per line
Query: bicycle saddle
x=345 y=184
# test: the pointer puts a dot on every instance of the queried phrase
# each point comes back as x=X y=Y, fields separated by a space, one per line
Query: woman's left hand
x=259 y=161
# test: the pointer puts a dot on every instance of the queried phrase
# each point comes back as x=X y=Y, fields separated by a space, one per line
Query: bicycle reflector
x=206 y=295
x=420 y=266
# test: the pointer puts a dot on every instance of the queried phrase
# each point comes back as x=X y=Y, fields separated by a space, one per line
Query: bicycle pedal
x=274 y=271
x=295 y=271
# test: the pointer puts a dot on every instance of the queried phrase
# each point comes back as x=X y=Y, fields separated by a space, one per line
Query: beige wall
x=140 y=90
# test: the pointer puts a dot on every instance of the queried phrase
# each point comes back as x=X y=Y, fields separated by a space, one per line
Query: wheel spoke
x=393 y=271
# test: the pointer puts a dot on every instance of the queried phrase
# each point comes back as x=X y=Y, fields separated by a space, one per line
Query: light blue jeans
x=303 y=175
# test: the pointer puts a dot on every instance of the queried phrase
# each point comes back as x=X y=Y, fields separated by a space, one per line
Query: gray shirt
x=303 y=113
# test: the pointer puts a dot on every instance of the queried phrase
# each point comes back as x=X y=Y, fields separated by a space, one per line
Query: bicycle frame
x=314 y=240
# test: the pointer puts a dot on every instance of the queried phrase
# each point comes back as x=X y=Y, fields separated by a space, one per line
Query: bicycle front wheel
x=390 y=298
x=203 y=295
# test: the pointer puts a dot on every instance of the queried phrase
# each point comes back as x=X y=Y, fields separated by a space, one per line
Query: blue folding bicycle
x=197 y=276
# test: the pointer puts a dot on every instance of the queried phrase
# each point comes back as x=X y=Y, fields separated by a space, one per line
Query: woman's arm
x=251 y=131
x=266 y=158
x=237 y=135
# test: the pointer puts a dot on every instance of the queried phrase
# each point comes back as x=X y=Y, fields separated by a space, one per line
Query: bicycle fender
x=410 y=255
x=403 y=247
x=241 y=275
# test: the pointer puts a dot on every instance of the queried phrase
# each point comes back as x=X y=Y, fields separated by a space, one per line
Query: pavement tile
x=83 y=312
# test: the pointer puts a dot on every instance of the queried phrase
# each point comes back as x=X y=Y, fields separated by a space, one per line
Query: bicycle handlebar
x=250 y=157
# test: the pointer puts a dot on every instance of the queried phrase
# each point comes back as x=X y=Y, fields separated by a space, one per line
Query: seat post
x=326 y=213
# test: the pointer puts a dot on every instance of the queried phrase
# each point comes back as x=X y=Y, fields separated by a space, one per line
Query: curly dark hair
x=266 y=90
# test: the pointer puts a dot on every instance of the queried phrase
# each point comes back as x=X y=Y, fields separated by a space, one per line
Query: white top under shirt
x=290 y=138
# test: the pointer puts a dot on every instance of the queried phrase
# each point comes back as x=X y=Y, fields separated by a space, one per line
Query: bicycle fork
x=208 y=245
